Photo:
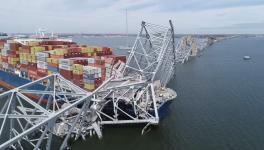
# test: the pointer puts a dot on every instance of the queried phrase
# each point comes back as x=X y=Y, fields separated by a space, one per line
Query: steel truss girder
x=155 y=52
x=153 y=44
x=42 y=114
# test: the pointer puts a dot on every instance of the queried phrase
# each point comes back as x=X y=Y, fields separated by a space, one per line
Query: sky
x=108 y=16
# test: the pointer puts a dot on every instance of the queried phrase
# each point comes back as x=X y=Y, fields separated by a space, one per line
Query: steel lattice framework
x=31 y=118
x=154 y=53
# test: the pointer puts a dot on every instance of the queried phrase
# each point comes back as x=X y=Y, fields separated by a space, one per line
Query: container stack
x=2 y=43
x=98 y=76
x=58 y=53
x=78 y=75
x=88 y=51
x=23 y=64
x=88 y=78
x=65 y=68
x=13 y=55
x=86 y=66
x=73 y=52
x=25 y=59
x=42 y=64
x=4 y=53
x=91 y=61
x=53 y=65
x=108 y=67
x=32 y=73
x=33 y=53
x=100 y=64
x=106 y=51
x=102 y=51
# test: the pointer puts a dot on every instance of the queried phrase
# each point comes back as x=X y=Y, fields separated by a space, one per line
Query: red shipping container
x=82 y=61
x=14 y=46
x=66 y=74
x=72 y=44
x=25 y=47
x=56 y=46
x=44 y=71
x=23 y=66
x=77 y=76
x=98 y=82
x=53 y=65
x=74 y=50
x=23 y=69
x=2 y=42
x=116 y=58
x=79 y=83
x=5 y=59
x=12 y=52
x=32 y=66
x=41 y=74
x=32 y=74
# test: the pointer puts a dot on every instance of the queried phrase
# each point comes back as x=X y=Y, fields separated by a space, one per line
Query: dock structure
x=134 y=94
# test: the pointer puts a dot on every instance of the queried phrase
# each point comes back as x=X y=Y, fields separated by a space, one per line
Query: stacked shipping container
x=86 y=66
x=65 y=68
x=2 y=43
x=42 y=64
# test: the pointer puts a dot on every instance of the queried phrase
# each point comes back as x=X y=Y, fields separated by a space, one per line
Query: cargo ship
x=27 y=59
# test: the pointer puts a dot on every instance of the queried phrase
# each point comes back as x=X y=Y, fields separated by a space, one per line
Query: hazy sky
x=108 y=16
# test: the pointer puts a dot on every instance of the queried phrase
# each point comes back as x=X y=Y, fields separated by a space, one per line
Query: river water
x=220 y=104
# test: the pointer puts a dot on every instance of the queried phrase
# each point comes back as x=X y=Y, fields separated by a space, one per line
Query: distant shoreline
x=133 y=35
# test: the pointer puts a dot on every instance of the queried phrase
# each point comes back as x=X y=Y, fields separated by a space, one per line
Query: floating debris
x=246 y=57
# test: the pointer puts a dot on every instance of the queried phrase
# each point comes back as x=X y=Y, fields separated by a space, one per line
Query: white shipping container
x=95 y=70
x=4 y=54
x=65 y=61
x=42 y=63
x=42 y=54
x=108 y=65
x=9 y=41
x=91 y=60
x=23 y=62
x=42 y=59
x=89 y=69
x=88 y=72
x=98 y=70
x=108 y=72
x=42 y=67
x=6 y=46
x=65 y=67
x=96 y=75
x=5 y=65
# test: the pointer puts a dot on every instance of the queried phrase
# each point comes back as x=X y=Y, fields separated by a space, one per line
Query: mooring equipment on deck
x=53 y=106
